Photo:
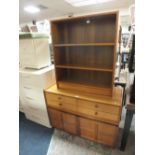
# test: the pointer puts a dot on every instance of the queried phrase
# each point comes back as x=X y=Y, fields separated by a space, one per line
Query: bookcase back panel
x=85 y=52
x=86 y=30
x=97 y=57
x=92 y=78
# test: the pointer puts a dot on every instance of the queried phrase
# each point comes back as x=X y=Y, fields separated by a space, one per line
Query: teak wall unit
x=84 y=52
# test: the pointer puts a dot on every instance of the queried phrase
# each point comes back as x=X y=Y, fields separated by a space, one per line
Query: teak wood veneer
x=84 y=101
x=75 y=112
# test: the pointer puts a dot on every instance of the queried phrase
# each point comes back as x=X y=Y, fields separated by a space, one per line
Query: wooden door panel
x=55 y=118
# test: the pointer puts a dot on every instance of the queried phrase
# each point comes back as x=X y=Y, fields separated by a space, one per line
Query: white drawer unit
x=34 y=52
x=31 y=86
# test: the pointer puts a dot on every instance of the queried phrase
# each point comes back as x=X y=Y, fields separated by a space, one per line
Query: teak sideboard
x=94 y=117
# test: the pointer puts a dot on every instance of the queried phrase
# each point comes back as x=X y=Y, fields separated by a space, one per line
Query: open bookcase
x=84 y=52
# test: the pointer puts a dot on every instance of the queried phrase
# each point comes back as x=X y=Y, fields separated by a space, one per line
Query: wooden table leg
x=126 y=130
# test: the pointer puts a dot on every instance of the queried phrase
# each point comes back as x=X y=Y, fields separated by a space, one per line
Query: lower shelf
x=93 y=130
x=84 y=88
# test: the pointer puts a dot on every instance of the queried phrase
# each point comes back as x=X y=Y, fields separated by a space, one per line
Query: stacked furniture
x=85 y=102
x=35 y=76
x=34 y=50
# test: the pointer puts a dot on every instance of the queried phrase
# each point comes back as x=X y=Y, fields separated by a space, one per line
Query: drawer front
x=61 y=102
x=51 y=97
x=68 y=103
x=88 y=128
x=107 y=134
x=99 y=115
x=32 y=93
x=99 y=106
x=38 y=110
x=32 y=80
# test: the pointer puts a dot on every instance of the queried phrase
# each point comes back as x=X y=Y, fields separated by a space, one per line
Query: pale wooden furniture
x=94 y=117
x=34 y=50
x=32 y=102
x=85 y=52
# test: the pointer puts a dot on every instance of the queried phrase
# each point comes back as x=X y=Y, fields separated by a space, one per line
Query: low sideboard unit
x=93 y=117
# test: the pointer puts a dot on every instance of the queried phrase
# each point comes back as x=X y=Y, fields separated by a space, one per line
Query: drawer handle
x=96 y=106
x=27 y=88
x=26 y=76
x=29 y=98
x=96 y=113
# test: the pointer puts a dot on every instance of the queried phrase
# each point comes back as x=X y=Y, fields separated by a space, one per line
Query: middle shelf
x=85 y=58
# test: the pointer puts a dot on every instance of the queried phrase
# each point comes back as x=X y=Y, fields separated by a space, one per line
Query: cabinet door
x=88 y=128
x=107 y=134
x=69 y=123
x=55 y=118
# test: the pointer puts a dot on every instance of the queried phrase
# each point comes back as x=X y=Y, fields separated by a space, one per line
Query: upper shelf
x=84 y=68
x=84 y=44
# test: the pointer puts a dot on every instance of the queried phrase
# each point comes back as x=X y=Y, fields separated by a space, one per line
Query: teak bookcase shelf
x=84 y=52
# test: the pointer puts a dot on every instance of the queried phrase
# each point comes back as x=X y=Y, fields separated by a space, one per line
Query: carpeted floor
x=34 y=139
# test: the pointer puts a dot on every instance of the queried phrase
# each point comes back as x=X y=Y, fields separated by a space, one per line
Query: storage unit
x=32 y=83
x=84 y=102
x=34 y=50
x=94 y=117
x=84 y=52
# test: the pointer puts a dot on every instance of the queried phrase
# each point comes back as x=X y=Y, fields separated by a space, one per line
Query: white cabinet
x=32 y=84
x=34 y=53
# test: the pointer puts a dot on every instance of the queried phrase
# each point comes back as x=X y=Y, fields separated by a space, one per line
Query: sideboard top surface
x=115 y=100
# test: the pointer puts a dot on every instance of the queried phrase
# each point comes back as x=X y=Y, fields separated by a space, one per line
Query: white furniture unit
x=32 y=84
x=34 y=51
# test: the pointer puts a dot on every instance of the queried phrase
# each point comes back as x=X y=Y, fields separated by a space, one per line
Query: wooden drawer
x=94 y=114
x=68 y=103
x=88 y=128
x=99 y=106
x=61 y=102
x=107 y=134
x=51 y=97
